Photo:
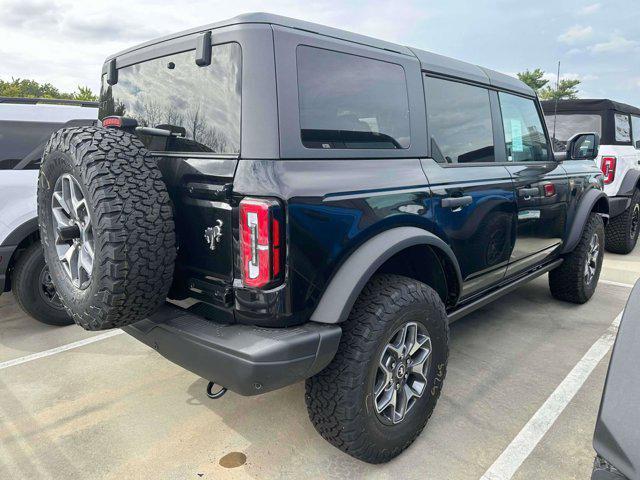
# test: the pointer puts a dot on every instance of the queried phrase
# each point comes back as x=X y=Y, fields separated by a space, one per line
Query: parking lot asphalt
x=115 y=409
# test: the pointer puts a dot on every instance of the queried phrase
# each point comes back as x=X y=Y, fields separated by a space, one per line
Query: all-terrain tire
x=623 y=230
x=340 y=398
x=35 y=298
x=132 y=221
x=568 y=282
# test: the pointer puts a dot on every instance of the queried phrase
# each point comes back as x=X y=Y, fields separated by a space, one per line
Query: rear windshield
x=348 y=101
x=567 y=125
x=200 y=106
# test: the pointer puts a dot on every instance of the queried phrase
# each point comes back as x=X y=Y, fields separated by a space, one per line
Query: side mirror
x=583 y=146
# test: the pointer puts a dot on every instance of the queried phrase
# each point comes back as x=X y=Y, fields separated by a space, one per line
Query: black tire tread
x=132 y=217
x=336 y=415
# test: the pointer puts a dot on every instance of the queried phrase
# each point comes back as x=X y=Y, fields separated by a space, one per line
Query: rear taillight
x=608 y=167
x=261 y=241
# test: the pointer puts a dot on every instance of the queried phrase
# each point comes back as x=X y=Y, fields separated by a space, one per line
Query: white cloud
x=589 y=9
x=576 y=34
x=617 y=43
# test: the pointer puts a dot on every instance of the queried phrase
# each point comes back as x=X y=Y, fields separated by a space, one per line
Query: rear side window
x=635 y=131
x=347 y=101
x=200 y=106
x=623 y=128
x=523 y=131
x=459 y=122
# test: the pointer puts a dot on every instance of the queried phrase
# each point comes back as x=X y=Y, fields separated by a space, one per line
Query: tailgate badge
x=212 y=235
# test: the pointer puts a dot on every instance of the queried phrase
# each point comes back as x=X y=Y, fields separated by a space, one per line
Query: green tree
x=567 y=90
x=27 y=88
x=534 y=79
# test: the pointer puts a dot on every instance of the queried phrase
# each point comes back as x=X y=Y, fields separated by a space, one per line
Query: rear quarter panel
x=18 y=190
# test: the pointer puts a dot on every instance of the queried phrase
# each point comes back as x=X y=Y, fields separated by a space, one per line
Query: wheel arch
x=593 y=201
x=387 y=252
x=22 y=238
x=630 y=183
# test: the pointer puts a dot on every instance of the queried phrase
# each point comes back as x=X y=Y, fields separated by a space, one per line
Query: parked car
x=280 y=173
x=25 y=127
x=617 y=436
x=618 y=125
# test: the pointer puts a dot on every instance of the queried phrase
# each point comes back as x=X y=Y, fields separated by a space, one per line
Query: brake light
x=261 y=241
x=608 y=167
x=113 y=122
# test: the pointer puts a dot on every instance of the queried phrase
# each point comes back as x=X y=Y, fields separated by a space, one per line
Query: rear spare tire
x=106 y=226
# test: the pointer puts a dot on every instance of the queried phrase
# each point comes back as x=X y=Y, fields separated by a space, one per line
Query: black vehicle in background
x=617 y=435
x=330 y=202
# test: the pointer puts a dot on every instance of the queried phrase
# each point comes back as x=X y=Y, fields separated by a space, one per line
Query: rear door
x=541 y=184
x=473 y=196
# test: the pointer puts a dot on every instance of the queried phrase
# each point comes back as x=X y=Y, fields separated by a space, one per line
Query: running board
x=508 y=288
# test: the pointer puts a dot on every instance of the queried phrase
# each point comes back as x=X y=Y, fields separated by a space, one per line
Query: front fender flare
x=345 y=286
x=587 y=203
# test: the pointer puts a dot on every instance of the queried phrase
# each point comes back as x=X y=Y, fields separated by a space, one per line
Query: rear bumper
x=617 y=205
x=246 y=359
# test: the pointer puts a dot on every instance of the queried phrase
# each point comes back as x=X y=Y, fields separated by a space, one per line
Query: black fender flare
x=347 y=283
x=586 y=206
x=21 y=232
x=630 y=182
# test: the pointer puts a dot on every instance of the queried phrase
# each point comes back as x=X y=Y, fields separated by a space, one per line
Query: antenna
x=555 y=108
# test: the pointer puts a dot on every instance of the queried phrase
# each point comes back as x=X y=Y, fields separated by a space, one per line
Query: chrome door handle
x=457 y=203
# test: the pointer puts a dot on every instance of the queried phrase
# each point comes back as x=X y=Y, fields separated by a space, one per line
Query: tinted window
x=635 y=129
x=348 y=101
x=567 y=125
x=200 y=105
x=623 y=129
x=459 y=122
x=523 y=131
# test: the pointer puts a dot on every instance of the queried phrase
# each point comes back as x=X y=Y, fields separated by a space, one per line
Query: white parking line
x=617 y=284
x=63 y=348
x=524 y=443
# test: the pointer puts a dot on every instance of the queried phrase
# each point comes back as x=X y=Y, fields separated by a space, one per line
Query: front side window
x=635 y=131
x=623 y=128
x=458 y=122
x=351 y=102
x=523 y=131
x=567 y=125
x=200 y=106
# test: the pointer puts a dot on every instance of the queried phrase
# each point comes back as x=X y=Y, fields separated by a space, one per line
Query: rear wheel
x=379 y=391
x=106 y=226
x=576 y=279
x=34 y=291
x=623 y=230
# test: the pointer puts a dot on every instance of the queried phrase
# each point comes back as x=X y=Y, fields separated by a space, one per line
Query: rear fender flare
x=587 y=205
x=351 y=277
x=630 y=182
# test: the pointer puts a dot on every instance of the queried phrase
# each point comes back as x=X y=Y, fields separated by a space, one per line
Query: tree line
x=567 y=89
x=27 y=88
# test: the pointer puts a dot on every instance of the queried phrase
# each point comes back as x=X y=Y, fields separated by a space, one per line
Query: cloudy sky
x=65 y=42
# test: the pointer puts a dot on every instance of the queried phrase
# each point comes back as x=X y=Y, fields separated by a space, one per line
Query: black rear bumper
x=245 y=359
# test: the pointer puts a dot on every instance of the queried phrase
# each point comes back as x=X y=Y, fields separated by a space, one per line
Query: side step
x=500 y=291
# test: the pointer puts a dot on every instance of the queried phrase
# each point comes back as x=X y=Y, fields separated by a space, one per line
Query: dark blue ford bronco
x=269 y=200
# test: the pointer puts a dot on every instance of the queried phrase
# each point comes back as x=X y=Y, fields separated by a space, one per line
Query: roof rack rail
x=51 y=101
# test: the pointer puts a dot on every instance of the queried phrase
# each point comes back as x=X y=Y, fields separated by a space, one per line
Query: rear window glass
x=200 y=106
x=348 y=101
x=623 y=128
x=567 y=125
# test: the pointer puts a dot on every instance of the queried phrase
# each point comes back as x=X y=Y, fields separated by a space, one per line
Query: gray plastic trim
x=582 y=215
x=355 y=272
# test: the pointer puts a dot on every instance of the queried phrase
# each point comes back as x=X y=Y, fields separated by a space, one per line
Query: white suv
x=25 y=128
x=619 y=157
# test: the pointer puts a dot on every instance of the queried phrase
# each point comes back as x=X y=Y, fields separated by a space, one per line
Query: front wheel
x=576 y=279
x=379 y=391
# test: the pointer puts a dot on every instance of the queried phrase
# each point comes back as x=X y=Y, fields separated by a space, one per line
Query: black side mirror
x=583 y=146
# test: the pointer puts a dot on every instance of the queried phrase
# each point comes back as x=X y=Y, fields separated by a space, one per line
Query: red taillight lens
x=549 y=190
x=260 y=241
x=608 y=167
x=114 y=122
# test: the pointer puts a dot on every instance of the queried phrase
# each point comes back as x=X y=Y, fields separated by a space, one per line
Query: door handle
x=527 y=193
x=457 y=203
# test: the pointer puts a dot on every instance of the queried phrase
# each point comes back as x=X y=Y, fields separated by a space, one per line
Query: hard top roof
x=430 y=62
x=588 y=105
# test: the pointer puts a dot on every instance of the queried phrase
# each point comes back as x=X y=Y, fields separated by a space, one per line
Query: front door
x=540 y=183
x=473 y=196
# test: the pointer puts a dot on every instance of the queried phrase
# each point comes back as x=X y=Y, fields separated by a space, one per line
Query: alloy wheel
x=591 y=263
